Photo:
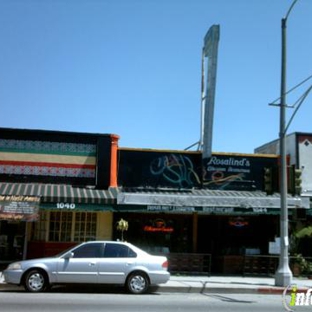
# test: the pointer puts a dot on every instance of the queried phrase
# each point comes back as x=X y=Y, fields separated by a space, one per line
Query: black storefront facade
x=224 y=213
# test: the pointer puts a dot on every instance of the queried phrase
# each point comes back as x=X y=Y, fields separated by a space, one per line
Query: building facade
x=299 y=151
x=178 y=202
x=61 y=188
x=56 y=189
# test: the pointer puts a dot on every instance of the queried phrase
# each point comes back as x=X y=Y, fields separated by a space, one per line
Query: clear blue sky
x=133 y=68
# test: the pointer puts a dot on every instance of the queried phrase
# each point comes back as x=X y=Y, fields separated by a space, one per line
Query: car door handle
x=92 y=263
x=129 y=263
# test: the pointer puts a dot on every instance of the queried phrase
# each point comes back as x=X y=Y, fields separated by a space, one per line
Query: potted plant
x=122 y=225
x=299 y=264
x=307 y=269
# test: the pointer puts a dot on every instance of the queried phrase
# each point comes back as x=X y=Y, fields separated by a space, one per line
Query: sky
x=133 y=68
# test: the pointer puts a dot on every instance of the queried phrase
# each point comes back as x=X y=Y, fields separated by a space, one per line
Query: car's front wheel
x=36 y=281
x=137 y=283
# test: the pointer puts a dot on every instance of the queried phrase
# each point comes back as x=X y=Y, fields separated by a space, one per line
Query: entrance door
x=12 y=235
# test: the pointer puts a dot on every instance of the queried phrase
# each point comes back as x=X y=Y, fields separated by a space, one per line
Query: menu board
x=19 y=208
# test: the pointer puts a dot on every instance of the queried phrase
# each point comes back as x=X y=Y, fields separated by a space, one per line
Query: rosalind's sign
x=235 y=172
x=19 y=208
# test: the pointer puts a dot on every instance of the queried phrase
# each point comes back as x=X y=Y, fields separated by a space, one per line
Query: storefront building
x=176 y=202
x=61 y=188
x=299 y=151
x=56 y=189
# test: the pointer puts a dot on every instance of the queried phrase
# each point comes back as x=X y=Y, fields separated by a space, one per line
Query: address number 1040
x=65 y=206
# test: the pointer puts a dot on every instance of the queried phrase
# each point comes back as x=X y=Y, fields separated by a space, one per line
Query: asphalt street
x=166 y=302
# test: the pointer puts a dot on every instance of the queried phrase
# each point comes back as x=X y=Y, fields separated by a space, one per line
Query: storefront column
x=195 y=231
x=25 y=243
x=113 y=164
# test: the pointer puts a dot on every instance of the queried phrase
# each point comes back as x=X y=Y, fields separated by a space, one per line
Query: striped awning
x=60 y=193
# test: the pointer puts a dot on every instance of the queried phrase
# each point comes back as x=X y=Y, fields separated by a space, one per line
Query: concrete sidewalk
x=229 y=284
x=213 y=284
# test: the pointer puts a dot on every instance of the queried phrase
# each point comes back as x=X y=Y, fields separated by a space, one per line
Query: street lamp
x=283 y=275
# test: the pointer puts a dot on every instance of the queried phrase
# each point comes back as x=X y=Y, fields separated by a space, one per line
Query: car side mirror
x=68 y=255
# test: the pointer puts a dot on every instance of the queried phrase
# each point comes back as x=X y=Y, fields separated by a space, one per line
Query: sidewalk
x=229 y=284
x=214 y=284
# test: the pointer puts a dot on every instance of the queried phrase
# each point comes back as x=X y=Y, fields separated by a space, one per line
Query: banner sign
x=19 y=208
x=236 y=172
x=159 y=169
x=202 y=210
x=187 y=170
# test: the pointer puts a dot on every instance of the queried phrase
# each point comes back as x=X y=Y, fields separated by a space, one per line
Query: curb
x=201 y=290
x=263 y=290
x=192 y=289
x=7 y=287
x=183 y=290
x=187 y=289
x=222 y=290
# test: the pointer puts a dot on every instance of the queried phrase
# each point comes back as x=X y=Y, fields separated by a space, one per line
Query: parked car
x=96 y=262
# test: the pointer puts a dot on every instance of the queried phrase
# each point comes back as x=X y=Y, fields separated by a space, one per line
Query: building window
x=60 y=226
x=40 y=227
x=85 y=226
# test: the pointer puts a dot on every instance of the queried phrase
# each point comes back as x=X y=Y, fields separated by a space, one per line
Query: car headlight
x=14 y=266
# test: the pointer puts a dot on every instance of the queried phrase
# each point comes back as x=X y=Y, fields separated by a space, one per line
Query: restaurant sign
x=241 y=211
x=19 y=208
x=236 y=172
x=213 y=210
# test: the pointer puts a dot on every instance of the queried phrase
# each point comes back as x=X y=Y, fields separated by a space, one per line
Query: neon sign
x=158 y=225
x=238 y=222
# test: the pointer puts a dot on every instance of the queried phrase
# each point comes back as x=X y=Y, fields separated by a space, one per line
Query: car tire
x=137 y=283
x=36 y=281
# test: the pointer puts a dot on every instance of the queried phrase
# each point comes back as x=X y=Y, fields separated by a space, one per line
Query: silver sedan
x=96 y=262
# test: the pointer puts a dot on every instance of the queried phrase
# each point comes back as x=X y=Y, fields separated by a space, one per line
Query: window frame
x=88 y=225
x=130 y=253
x=85 y=247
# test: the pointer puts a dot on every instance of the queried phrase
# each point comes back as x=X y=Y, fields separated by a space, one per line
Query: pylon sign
x=210 y=51
x=268 y=180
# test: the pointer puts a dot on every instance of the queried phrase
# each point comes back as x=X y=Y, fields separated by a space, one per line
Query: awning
x=60 y=193
x=209 y=198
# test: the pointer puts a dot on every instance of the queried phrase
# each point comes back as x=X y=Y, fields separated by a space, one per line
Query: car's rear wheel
x=137 y=283
x=36 y=281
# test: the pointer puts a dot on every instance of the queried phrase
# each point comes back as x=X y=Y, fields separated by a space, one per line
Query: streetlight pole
x=283 y=275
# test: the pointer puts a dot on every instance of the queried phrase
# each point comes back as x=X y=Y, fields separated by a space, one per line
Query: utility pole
x=283 y=275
